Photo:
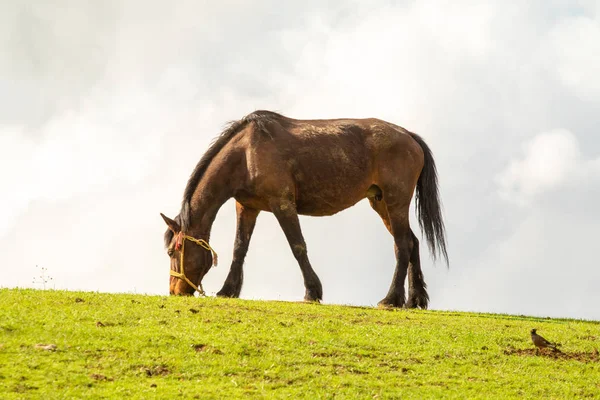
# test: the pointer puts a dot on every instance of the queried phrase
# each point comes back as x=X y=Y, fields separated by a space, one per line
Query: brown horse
x=269 y=162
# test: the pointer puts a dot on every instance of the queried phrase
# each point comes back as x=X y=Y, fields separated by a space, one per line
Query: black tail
x=428 y=205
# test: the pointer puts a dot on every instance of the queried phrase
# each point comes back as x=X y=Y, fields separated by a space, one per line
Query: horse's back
x=329 y=163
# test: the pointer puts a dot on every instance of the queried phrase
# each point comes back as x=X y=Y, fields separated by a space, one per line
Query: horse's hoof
x=311 y=300
x=388 y=304
x=417 y=301
x=226 y=294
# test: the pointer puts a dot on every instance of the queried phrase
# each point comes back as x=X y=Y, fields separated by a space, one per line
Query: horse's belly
x=328 y=198
x=331 y=181
x=321 y=208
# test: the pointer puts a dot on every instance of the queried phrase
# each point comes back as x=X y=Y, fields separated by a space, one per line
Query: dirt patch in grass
x=586 y=357
x=204 y=348
x=154 y=370
x=100 y=377
x=326 y=354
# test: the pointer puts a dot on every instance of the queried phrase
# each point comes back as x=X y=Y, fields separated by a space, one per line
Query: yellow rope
x=181 y=275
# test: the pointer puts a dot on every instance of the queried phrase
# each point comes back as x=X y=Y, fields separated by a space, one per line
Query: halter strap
x=180 y=242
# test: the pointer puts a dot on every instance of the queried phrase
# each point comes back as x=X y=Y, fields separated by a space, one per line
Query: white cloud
x=545 y=267
x=549 y=159
x=576 y=51
x=79 y=152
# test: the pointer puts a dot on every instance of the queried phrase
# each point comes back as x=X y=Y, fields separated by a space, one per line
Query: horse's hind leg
x=417 y=292
x=246 y=220
x=287 y=216
x=398 y=219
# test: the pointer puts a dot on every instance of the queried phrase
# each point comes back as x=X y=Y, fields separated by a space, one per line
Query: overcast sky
x=105 y=108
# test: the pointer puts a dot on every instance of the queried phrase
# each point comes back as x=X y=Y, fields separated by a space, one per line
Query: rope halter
x=180 y=245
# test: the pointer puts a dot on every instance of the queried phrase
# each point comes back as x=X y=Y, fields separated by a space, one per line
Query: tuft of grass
x=136 y=346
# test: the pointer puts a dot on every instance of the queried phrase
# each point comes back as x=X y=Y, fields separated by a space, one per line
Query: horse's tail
x=428 y=204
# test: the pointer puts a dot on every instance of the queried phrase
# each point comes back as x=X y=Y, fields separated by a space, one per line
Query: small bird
x=540 y=342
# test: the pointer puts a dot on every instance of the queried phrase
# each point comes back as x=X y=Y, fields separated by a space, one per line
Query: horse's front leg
x=246 y=220
x=287 y=216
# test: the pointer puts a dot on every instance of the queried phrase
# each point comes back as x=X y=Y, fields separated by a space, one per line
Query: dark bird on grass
x=540 y=342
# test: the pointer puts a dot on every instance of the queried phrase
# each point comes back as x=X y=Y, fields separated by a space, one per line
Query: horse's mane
x=260 y=118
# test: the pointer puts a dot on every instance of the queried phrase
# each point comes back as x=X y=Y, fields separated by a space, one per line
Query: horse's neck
x=210 y=194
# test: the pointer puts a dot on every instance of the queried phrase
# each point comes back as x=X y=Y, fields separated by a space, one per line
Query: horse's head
x=191 y=258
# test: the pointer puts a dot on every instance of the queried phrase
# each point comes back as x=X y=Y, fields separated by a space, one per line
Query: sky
x=106 y=107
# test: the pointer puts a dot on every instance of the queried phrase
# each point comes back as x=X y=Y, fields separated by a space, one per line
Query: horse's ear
x=174 y=226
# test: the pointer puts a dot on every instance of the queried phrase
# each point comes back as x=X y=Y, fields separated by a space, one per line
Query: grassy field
x=135 y=346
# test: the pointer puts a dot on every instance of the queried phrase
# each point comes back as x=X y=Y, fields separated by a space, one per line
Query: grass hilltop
x=62 y=345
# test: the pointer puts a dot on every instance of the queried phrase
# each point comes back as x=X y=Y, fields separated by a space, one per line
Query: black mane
x=260 y=118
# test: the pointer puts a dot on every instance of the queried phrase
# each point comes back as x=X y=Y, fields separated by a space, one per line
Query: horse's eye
x=170 y=251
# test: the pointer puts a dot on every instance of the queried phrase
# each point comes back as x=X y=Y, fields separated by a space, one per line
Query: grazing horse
x=290 y=167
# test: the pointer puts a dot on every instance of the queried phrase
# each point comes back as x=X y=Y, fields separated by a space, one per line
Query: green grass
x=135 y=346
